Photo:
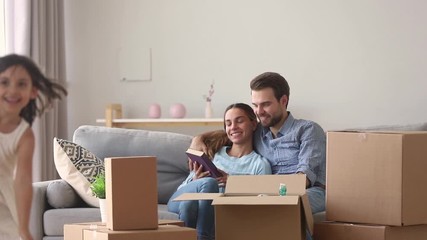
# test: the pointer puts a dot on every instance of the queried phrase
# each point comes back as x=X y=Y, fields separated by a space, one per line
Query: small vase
x=208 y=110
x=103 y=209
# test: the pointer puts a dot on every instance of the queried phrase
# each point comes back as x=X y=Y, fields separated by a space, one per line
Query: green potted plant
x=98 y=186
x=98 y=190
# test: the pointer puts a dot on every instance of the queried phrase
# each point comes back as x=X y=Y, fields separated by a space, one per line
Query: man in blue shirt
x=290 y=145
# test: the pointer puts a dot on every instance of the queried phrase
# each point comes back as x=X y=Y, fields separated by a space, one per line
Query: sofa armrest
x=38 y=207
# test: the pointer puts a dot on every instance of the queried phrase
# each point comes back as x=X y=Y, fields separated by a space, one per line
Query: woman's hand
x=222 y=180
x=198 y=170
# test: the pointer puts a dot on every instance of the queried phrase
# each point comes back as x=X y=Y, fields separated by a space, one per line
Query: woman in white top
x=239 y=122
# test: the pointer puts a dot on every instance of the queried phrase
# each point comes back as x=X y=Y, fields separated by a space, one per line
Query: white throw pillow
x=78 y=167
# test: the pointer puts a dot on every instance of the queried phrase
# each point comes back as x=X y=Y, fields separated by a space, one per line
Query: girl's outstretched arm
x=23 y=182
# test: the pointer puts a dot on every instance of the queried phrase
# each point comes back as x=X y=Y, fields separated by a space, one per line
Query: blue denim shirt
x=300 y=146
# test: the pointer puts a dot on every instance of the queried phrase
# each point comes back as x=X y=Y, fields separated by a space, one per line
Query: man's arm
x=312 y=155
x=210 y=142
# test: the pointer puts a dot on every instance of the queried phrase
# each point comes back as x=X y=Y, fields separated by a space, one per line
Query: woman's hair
x=47 y=89
x=216 y=139
x=245 y=107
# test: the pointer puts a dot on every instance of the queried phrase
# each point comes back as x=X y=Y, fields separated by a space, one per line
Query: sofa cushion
x=78 y=167
x=165 y=214
x=169 y=149
x=60 y=194
x=54 y=219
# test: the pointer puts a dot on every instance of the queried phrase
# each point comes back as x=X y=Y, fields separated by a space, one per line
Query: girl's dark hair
x=47 y=89
x=245 y=107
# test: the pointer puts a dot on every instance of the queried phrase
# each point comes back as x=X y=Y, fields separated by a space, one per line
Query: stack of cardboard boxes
x=131 y=194
x=375 y=186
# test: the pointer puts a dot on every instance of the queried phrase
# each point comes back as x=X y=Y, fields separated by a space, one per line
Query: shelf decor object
x=113 y=118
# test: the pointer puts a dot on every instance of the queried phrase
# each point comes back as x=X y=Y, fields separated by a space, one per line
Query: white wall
x=349 y=63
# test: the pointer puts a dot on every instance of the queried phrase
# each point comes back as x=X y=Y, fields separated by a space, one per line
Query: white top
x=250 y=164
x=8 y=153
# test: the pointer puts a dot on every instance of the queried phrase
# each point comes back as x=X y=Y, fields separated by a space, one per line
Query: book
x=203 y=159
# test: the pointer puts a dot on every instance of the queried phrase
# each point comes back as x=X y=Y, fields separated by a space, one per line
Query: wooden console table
x=113 y=118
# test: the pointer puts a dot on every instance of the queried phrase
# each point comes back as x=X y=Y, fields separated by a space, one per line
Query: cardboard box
x=348 y=231
x=374 y=177
x=171 y=222
x=75 y=231
x=250 y=208
x=164 y=232
x=131 y=193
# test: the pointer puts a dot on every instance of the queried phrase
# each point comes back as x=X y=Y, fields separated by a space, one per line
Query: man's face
x=269 y=110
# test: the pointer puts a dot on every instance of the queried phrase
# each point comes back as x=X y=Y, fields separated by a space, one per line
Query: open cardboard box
x=251 y=208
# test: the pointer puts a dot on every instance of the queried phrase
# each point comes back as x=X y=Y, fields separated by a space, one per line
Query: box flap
x=257 y=200
x=197 y=196
x=308 y=213
x=163 y=232
x=253 y=185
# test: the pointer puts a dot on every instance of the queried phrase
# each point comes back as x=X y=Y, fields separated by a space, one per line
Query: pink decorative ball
x=154 y=111
x=177 y=110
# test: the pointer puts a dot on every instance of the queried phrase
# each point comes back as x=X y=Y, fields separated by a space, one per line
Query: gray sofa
x=47 y=222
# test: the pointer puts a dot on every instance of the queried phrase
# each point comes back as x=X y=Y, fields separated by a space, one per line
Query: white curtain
x=35 y=28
